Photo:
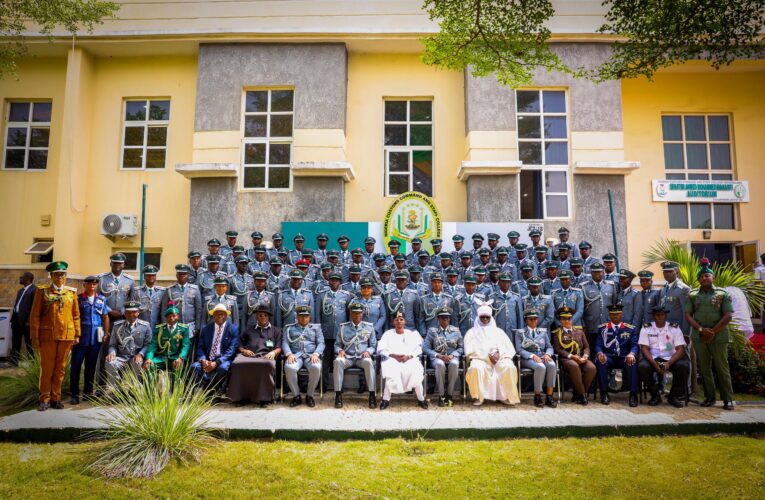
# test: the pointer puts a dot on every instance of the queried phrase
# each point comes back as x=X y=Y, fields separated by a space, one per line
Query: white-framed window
x=41 y=250
x=144 y=133
x=698 y=147
x=27 y=135
x=267 y=142
x=408 y=146
x=543 y=147
x=151 y=256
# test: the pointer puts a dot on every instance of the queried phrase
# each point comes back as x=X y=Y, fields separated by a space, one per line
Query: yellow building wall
x=27 y=195
x=735 y=92
x=373 y=77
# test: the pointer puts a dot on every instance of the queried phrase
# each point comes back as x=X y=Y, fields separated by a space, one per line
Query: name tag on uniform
x=269 y=343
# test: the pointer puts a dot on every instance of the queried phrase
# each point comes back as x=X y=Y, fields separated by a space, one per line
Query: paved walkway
x=404 y=420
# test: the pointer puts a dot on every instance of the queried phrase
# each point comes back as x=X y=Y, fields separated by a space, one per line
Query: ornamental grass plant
x=150 y=421
x=21 y=389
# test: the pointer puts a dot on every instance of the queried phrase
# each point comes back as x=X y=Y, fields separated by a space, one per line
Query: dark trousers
x=631 y=372
x=89 y=356
x=216 y=380
x=680 y=370
x=19 y=333
x=327 y=360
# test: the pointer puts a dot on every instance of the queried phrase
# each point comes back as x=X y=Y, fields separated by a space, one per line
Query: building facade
x=242 y=115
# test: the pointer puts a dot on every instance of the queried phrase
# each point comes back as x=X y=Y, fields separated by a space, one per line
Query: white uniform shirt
x=663 y=341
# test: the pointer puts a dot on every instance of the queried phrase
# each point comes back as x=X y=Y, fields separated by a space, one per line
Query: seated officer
x=170 y=343
x=616 y=346
x=303 y=345
x=443 y=346
x=571 y=346
x=217 y=346
x=355 y=344
x=128 y=343
x=663 y=348
x=535 y=349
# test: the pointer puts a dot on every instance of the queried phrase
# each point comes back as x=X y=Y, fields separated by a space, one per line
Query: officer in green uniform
x=708 y=311
x=170 y=344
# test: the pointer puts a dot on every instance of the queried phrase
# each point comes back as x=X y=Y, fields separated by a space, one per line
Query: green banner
x=356 y=231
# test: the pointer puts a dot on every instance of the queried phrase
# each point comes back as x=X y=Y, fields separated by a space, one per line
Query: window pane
x=697 y=155
x=528 y=101
x=531 y=194
x=420 y=135
x=256 y=101
x=671 y=129
x=398 y=161
x=135 y=110
x=423 y=172
x=698 y=177
x=718 y=128
x=134 y=136
x=153 y=259
x=530 y=153
x=694 y=128
x=395 y=111
x=554 y=101
x=420 y=111
x=255 y=177
x=675 y=177
x=159 y=110
x=131 y=260
x=157 y=136
x=555 y=127
x=556 y=153
x=279 y=178
x=255 y=126
x=673 y=156
x=14 y=158
x=155 y=158
x=17 y=136
x=131 y=158
x=398 y=184
x=39 y=138
x=701 y=216
x=723 y=215
x=678 y=215
x=281 y=125
x=719 y=156
x=255 y=154
x=557 y=206
x=279 y=154
x=38 y=159
x=281 y=100
x=722 y=177
x=395 y=135
x=42 y=111
x=555 y=182
x=19 y=112
x=528 y=127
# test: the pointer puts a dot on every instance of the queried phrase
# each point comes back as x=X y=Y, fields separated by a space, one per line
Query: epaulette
x=119 y=321
x=577 y=327
x=628 y=325
x=43 y=287
x=603 y=325
x=142 y=322
x=70 y=288
x=647 y=325
x=233 y=297
x=192 y=285
x=674 y=325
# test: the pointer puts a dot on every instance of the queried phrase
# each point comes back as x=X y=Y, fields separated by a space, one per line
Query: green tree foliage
x=44 y=16
x=510 y=37
x=504 y=37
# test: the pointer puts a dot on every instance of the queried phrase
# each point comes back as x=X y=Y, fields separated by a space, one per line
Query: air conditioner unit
x=124 y=225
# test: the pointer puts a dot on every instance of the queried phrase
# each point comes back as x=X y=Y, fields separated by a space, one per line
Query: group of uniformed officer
x=350 y=294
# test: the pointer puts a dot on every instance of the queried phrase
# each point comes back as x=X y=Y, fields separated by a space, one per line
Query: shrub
x=22 y=390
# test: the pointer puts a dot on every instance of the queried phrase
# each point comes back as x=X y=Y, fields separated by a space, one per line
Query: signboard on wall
x=700 y=191
x=411 y=215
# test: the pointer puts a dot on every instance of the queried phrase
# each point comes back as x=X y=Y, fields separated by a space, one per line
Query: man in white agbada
x=491 y=374
x=402 y=369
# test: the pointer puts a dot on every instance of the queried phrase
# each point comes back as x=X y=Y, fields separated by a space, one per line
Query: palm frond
x=672 y=250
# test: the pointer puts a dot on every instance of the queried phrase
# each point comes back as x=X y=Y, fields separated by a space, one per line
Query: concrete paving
x=405 y=420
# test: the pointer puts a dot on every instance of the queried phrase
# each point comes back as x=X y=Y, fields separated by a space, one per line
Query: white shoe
x=508 y=402
x=477 y=402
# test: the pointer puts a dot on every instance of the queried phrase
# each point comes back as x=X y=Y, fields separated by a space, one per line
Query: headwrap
x=484 y=310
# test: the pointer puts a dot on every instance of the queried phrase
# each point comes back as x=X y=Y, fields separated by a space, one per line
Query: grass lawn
x=680 y=467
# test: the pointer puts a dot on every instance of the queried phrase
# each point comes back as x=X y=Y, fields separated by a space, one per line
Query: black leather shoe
x=605 y=400
x=583 y=400
x=655 y=399
x=633 y=400
x=675 y=402
x=296 y=401
x=384 y=404
x=56 y=405
x=708 y=402
x=43 y=407
x=575 y=397
x=538 y=401
x=74 y=400
x=309 y=401
x=338 y=400
x=550 y=401
x=441 y=401
x=423 y=404
x=362 y=387
x=728 y=405
x=449 y=401
x=372 y=401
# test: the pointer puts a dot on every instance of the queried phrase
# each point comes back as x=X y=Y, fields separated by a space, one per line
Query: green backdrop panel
x=356 y=231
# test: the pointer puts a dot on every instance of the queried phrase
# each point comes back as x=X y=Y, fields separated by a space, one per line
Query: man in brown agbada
x=54 y=327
